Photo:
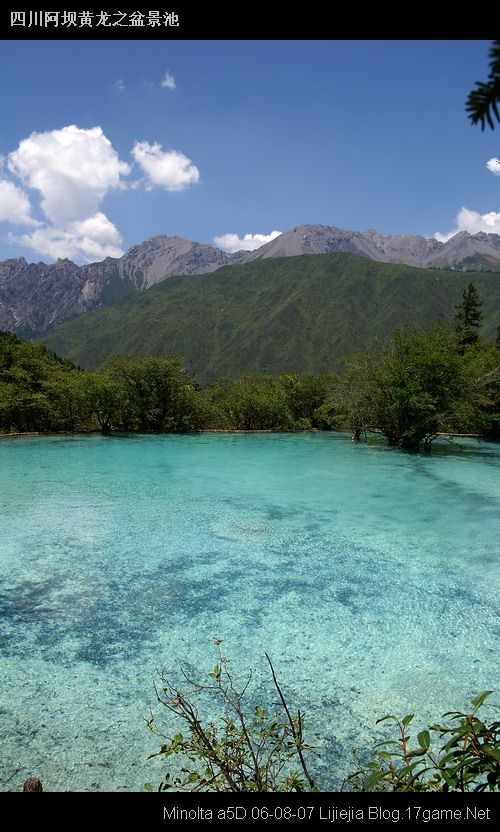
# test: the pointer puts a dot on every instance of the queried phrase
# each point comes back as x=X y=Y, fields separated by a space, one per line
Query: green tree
x=260 y=403
x=406 y=391
x=67 y=393
x=307 y=399
x=482 y=102
x=156 y=394
x=106 y=397
x=468 y=317
x=23 y=409
x=26 y=402
x=479 y=408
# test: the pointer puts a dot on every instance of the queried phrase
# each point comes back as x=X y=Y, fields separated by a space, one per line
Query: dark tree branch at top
x=483 y=102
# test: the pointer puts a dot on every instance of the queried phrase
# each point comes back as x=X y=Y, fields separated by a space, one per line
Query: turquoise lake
x=370 y=576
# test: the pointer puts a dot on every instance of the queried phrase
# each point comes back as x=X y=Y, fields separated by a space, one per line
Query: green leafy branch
x=469 y=759
x=242 y=752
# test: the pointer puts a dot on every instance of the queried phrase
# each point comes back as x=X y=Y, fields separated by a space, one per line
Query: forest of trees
x=420 y=384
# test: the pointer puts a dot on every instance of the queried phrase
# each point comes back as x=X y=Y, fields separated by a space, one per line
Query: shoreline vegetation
x=118 y=433
x=421 y=386
x=263 y=750
x=443 y=435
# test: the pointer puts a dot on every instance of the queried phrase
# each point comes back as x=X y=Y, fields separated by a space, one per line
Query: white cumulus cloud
x=170 y=169
x=473 y=222
x=72 y=168
x=168 y=81
x=14 y=205
x=92 y=238
x=249 y=242
x=62 y=176
x=494 y=166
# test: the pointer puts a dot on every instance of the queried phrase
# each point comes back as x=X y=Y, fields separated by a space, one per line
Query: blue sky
x=106 y=143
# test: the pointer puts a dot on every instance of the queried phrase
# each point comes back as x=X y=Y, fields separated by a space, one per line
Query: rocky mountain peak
x=35 y=297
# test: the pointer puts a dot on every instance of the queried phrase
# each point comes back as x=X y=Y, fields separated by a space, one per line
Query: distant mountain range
x=37 y=297
x=281 y=314
x=409 y=249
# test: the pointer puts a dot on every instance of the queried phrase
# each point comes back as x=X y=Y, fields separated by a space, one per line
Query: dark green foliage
x=479 y=407
x=479 y=263
x=107 y=398
x=300 y=315
x=483 y=102
x=154 y=395
x=308 y=400
x=468 y=317
x=116 y=289
x=67 y=394
x=467 y=759
x=407 y=391
x=248 y=750
x=287 y=402
x=38 y=391
x=253 y=404
x=421 y=385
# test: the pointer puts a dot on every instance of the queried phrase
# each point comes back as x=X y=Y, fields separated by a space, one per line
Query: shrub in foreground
x=249 y=750
x=467 y=758
x=253 y=749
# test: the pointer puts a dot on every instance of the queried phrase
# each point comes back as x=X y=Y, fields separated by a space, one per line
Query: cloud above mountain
x=168 y=81
x=72 y=169
x=473 y=222
x=249 y=242
x=14 y=205
x=95 y=238
x=494 y=166
x=169 y=169
x=56 y=181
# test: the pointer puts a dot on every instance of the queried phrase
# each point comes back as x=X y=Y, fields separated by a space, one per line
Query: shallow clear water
x=369 y=575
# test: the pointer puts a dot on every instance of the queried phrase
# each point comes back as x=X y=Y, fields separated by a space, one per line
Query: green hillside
x=270 y=316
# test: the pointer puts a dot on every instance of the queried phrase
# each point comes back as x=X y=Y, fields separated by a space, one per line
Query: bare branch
x=297 y=736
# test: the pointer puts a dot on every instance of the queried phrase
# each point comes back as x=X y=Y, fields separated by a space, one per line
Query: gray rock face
x=161 y=257
x=405 y=248
x=35 y=297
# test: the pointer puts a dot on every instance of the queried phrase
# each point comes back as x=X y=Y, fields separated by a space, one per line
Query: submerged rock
x=32 y=784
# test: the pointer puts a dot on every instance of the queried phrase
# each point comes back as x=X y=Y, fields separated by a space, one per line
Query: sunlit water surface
x=369 y=575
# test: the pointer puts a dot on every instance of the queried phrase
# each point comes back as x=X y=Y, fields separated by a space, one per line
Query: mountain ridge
x=411 y=249
x=292 y=314
x=35 y=297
